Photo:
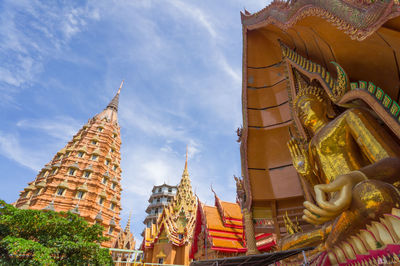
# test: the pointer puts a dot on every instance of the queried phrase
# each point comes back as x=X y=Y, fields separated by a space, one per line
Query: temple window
x=114 y=135
x=80 y=194
x=46 y=173
x=113 y=185
x=94 y=157
x=159 y=190
x=54 y=171
x=158 y=200
x=160 y=260
x=71 y=171
x=58 y=157
x=170 y=190
x=67 y=154
x=115 y=168
x=60 y=191
x=25 y=194
x=80 y=154
x=107 y=162
x=110 y=230
x=104 y=181
x=168 y=200
x=101 y=200
x=86 y=174
x=111 y=150
x=100 y=129
x=112 y=206
x=180 y=236
x=94 y=142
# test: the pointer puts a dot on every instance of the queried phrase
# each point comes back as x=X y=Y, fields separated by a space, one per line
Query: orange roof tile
x=225 y=243
x=231 y=210
x=214 y=220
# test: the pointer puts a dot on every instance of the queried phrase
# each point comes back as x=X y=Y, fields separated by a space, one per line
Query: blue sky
x=62 y=62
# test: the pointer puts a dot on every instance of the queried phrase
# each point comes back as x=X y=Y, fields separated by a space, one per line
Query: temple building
x=169 y=240
x=84 y=176
x=124 y=241
x=320 y=143
x=160 y=197
x=219 y=232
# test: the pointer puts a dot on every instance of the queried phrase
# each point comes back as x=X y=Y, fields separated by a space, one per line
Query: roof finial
x=120 y=87
x=186 y=157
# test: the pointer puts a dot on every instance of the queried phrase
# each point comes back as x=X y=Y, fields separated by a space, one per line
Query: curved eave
x=357 y=21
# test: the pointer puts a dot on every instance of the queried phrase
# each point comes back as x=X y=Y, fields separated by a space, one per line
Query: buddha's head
x=311 y=108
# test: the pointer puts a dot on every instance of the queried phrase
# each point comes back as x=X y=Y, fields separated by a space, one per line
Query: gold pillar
x=249 y=231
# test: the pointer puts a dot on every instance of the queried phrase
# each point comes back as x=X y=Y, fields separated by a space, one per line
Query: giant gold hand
x=340 y=191
x=299 y=157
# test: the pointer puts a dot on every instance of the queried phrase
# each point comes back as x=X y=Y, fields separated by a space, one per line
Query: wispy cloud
x=24 y=50
x=62 y=127
x=11 y=148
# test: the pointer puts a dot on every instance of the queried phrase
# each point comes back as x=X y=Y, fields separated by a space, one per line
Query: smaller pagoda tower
x=84 y=176
x=161 y=196
x=169 y=240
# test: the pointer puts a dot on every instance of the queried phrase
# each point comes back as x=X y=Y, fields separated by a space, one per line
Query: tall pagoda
x=84 y=176
x=169 y=240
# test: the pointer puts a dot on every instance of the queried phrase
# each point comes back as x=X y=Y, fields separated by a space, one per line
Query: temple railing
x=131 y=257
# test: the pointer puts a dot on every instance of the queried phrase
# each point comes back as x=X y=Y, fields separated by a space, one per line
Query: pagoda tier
x=169 y=240
x=84 y=176
x=161 y=196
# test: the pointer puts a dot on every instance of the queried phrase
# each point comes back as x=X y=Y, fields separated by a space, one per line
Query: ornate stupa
x=84 y=176
x=169 y=240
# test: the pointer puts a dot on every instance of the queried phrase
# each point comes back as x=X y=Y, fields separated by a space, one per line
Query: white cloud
x=24 y=50
x=11 y=148
x=196 y=14
x=62 y=128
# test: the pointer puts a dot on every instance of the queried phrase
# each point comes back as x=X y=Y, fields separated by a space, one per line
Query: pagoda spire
x=128 y=224
x=115 y=101
x=185 y=171
x=110 y=113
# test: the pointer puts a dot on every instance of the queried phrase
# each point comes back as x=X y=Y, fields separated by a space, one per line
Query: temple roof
x=224 y=227
x=176 y=222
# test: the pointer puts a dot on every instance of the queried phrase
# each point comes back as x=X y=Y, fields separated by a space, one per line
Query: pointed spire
x=185 y=171
x=128 y=224
x=114 y=102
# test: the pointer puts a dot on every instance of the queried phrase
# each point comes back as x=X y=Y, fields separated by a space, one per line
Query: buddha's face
x=312 y=112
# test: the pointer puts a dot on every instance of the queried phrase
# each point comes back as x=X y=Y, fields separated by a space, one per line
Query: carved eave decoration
x=358 y=20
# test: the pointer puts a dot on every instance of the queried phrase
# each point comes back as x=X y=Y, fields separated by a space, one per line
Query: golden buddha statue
x=350 y=160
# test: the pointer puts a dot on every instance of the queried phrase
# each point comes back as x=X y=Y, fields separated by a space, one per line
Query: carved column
x=249 y=231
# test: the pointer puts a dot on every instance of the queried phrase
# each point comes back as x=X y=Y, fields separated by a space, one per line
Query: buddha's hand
x=299 y=157
x=340 y=191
